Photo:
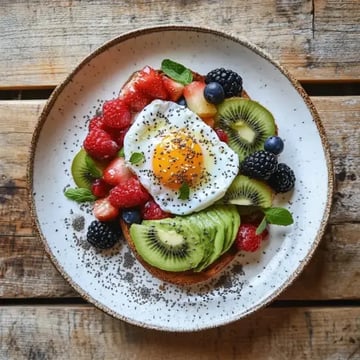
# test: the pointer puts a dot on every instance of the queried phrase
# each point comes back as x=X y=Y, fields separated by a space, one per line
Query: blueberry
x=214 y=93
x=131 y=216
x=182 y=101
x=274 y=144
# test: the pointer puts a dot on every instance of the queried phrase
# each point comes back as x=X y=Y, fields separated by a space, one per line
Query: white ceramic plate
x=114 y=281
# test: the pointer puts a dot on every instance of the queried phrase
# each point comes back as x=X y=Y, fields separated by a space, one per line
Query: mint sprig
x=184 y=191
x=176 y=71
x=136 y=158
x=275 y=216
x=79 y=195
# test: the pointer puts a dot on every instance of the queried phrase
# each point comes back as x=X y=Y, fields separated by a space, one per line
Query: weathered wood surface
x=82 y=332
x=315 y=40
x=333 y=273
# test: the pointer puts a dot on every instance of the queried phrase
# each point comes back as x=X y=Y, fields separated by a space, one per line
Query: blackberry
x=228 y=79
x=259 y=165
x=103 y=235
x=283 y=180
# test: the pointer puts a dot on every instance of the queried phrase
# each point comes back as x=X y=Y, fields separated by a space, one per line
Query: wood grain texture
x=82 y=332
x=51 y=37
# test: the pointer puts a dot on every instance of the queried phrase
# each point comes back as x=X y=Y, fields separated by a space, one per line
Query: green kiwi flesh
x=247 y=123
x=248 y=192
x=84 y=170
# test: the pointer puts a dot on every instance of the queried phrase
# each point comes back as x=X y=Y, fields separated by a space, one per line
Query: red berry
x=118 y=135
x=100 y=188
x=99 y=145
x=247 y=239
x=129 y=193
x=96 y=122
x=223 y=136
x=134 y=98
x=116 y=114
x=173 y=88
x=149 y=82
x=104 y=211
x=117 y=172
x=152 y=211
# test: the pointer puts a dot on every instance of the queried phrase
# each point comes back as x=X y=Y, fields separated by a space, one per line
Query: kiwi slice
x=169 y=244
x=248 y=192
x=84 y=169
x=247 y=124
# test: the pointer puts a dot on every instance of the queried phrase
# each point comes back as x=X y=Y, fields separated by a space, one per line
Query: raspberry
x=99 y=145
x=247 y=239
x=228 y=79
x=152 y=211
x=116 y=114
x=259 y=165
x=283 y=180
x=103 y=235
x=128 y=194
x=96 y=122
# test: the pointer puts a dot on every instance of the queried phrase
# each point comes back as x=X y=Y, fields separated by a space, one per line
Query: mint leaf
x=177 y=71
x=278 y=216
x=261 y=227
x=94 y=171
x=136 y=158
x=184 y=192
x=80 y=195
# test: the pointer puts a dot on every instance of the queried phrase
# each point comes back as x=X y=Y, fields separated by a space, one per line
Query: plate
x=113 y=280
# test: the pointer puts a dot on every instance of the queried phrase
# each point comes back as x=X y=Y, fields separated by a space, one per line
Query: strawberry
x=173 y=88
x=116 y=172
x=100 y=188
x=128 y=194
x=196 y=102
x=152 y=211
x=104 y=211
x=223 y=136
x=149 y=82
x=99 y=145
x=133 y=97
x=116 y=114
x=247 y=239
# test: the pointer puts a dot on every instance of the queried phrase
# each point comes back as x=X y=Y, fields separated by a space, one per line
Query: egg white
x=221 y=164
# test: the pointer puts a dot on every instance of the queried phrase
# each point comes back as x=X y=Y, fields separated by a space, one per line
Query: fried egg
x=177 y=151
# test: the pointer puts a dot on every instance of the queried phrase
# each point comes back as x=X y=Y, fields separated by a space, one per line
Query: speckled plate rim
x=188 y=28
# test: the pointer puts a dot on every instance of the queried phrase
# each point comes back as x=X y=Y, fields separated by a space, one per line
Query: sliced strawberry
x=195 y=100
x=100 y=188
x=104 y=211
x=173 y=88
x=135 y=99
x=149 y=82
x=117 y=172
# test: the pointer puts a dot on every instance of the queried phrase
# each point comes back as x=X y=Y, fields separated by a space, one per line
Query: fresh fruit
x=131 y=216
x=152 y=211
x=247 y=239
x=100 y=188
x=103 y=210
x=230 y=81
x=223 y=136
x=259 y=165
x=149 y=82
x=274 y=144
x=103 y=235
x=214 y=93
x=249 y=192
x=99 y=145
x=173 y=88
x=116 y=114
x=96 y=122
x=247 y=124
x=132 y=97
x=117 y=172
x=182 y=101
x=128 y=194
x=283 y=180
x=84 y=170
x=195 y=100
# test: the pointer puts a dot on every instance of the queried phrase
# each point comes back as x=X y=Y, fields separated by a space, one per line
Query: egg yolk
x=178 y=159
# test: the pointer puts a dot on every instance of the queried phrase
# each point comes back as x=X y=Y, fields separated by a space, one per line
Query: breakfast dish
x=113 y=279
x=187 y=165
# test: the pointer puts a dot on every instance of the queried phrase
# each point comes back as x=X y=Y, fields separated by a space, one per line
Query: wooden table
x=41 y=317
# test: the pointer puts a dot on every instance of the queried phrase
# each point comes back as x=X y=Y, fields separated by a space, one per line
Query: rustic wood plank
x=44 y=40
x=340 y=117
x=82 y=332
x=333 y=272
